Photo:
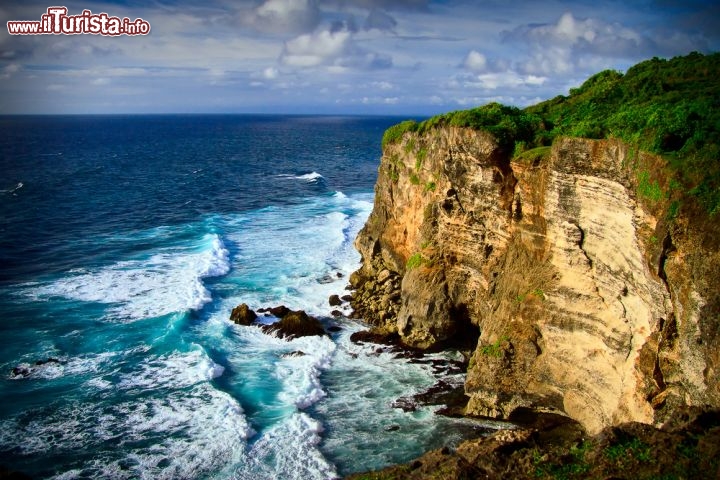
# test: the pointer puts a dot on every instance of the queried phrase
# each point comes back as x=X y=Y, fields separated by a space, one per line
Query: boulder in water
x=243 y=315
x=295 y=324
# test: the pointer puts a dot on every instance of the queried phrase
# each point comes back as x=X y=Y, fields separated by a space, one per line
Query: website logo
x=57 y=22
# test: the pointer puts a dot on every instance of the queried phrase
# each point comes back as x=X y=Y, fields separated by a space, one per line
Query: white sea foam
x=298 y=255
x=13 y=190
x=311 y=177
x=172 y=371
x=362 y=383
x=167 y=282
x=178 y=427
x=288 y=451
x=51 y=367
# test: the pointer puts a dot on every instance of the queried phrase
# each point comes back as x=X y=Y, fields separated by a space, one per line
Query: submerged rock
x=243 y=315
x=24 y=370
x=295 y=324
x=296 y=353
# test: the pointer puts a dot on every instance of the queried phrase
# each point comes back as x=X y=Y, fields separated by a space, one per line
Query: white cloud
x=270 y=73
x=588 y=33
x=383 y=85
x=9 y=70
x=507 y=80
x=475 y=61
x=334 y=49
x=285 y=16
x=550 y=61
x=313 y=49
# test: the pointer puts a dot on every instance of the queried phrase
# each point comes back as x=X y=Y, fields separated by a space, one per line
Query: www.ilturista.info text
x=57 y=22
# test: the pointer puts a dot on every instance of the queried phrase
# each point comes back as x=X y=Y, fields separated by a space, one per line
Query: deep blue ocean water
x=125 y=241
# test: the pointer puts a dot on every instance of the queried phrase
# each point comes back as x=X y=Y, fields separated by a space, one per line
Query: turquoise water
x=126 y=241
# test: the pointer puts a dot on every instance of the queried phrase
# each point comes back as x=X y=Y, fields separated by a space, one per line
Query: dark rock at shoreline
x=280 y=311
x=452 y=396
x=375 y=336
x=295 y=324
x=555 y=446
x=406 y=404
x=336 y=313
x=335 y=301
x=346 y=298
x=334 y=328
x=243 y=315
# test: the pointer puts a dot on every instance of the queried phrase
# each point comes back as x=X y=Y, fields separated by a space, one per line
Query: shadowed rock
x=243 y=315
x=295 y=324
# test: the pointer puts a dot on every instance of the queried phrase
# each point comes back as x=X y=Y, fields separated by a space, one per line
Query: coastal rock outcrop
x=577 y=294
x=295 y=324
x=243 y=315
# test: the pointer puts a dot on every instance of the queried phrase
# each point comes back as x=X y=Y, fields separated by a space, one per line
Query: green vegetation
x=394 y=174
x=395 y=133
x=629 y=450
x=415 y=261
x=537 y=293
x=410 y=146
x=666 y=107
x=420 y=158
x=430 y=186
x=574 y=465
x=533 y=156
x=495 y=349
x=649 y=189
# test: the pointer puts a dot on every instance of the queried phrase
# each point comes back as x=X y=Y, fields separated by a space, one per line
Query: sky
x=384 y=57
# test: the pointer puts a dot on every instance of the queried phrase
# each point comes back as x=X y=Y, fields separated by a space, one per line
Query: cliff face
x=585 y=298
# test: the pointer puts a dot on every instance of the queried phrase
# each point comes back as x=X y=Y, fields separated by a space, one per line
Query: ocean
x=125 y=242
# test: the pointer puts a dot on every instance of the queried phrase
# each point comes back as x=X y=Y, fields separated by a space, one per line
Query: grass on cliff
x=665 y=107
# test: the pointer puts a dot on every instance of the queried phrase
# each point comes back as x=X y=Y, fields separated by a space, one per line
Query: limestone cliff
x=586 y=299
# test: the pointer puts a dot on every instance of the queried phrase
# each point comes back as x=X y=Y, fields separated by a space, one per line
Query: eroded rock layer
x=587 y=300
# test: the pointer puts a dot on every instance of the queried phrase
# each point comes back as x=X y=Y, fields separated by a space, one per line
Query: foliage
x=414 y=179
x=420 y=158
x=666 y=107
x=394 y=174
x=649 y=189
x=573 y=465
x=415 y=261
x=628 y=450
x=533 y=156
x=410 y=146
x=494 y=349
x=395 y=133
x=430 y=186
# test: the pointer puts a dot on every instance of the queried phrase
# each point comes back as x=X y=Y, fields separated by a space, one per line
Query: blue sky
x=405 y=57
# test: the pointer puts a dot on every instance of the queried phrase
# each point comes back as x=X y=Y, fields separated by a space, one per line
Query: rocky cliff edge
x=574 y=288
